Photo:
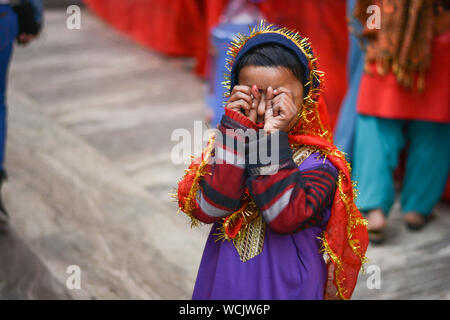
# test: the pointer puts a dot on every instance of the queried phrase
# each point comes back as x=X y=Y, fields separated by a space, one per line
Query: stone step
x=74 y=207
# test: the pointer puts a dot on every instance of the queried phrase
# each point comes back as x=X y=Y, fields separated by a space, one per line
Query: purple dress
x=289 y=266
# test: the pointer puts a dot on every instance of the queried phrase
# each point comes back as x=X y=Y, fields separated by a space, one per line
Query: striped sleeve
x=289 y=199
x=221 y=190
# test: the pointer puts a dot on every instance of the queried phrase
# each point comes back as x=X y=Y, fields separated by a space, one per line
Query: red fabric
x=324 y=23
x=446 y=195
x=382 y=96
x=242 y=119
x=213 y=10
x=337 y=225
x=170 y=27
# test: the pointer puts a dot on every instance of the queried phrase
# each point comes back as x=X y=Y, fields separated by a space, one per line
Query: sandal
x=376 y=235
x=420 y=220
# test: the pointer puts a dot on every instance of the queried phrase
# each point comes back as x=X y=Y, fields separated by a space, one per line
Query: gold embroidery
x=251 y=242
x=302 y=153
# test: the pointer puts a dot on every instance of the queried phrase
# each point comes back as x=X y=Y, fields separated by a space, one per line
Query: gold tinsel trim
x=338 y=266
x=248 y=212
x=354 y=220
x=200 y=171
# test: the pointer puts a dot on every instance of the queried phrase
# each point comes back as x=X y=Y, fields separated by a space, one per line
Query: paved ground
x=90 y=121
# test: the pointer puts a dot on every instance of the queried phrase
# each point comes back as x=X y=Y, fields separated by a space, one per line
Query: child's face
x=275 y=77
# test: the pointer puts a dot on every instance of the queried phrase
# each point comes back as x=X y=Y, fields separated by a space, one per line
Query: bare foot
x=415 y=220
x=376 y=225
x=376 y=220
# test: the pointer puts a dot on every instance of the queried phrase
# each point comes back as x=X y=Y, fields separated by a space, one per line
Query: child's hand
x=241 y=100
x=280 y=110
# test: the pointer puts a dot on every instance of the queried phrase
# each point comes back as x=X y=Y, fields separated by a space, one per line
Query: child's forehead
x=263 y=77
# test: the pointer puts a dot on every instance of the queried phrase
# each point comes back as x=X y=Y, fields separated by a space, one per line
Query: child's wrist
x=268 y=151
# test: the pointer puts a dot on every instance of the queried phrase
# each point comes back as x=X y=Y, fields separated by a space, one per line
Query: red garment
x=324 y=23
x=446 y=195
x=170 y=27
x=382 y=96
x=213 y=10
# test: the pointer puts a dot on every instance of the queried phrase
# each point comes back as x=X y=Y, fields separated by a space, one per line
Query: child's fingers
x=266 y=107
x=276 y=109
x=256 y=95
x=252 y=115
x=255 y=91
x=241 y=88
x=240 y=105
x=268 y=114
x=269 y=104
x=239 y=95
x=284 y=98
x=269 y=93
x=283 y=105
x=281 y=90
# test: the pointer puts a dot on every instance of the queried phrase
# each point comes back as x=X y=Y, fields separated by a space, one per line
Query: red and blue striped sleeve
x=220 y=191
x=289 y=199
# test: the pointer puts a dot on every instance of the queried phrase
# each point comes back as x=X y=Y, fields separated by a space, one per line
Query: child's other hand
x=241 y=100
x=280 y=110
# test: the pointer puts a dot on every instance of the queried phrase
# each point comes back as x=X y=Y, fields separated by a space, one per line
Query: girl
x=281 y=218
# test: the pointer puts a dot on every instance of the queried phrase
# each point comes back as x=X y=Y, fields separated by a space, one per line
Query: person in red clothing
x=280 y=216
x=403 y=103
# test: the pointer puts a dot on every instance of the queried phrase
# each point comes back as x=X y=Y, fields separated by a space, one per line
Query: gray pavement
x=88 y=156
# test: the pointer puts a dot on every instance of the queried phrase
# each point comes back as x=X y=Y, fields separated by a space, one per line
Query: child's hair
x=271 y=55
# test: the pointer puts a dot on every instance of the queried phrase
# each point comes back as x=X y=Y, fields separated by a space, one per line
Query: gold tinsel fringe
x=200 y=171
x=338 y=265
x=248 y=212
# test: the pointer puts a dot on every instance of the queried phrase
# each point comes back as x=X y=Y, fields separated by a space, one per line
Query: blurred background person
x=21 y=20
x=403 y=103
x=346 y=122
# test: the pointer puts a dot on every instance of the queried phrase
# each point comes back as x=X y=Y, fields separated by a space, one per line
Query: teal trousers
x=378 y=143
